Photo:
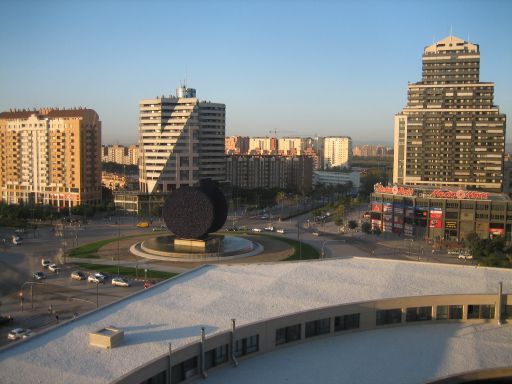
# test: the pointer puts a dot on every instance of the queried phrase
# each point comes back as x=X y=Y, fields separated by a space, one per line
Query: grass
x=308 y=252
x=127 y=271
x=89 y=250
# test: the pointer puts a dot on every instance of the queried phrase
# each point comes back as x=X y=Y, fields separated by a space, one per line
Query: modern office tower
x=337 y=151
x=181 y=140
x=236 y=145
x=50 y=156
x=262 y=145
x=450 y=133
x=290 y=146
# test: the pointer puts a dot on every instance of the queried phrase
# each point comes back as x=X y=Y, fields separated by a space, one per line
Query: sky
x=303 y=68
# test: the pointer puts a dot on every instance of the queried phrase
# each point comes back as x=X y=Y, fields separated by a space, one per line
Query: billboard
x=436 y=218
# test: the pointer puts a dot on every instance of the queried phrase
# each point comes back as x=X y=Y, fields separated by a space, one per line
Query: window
x=247 y=345
x=182 y=371
x=216 y=356
x=288 y=334
x=389 y=316
x=418 y=314
x=318 y=327
x=480 y=311
x=346 y=322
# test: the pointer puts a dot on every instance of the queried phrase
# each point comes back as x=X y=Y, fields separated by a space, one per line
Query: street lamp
x=21 y=300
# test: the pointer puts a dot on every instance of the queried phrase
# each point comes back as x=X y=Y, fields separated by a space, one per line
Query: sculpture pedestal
x=208 y=243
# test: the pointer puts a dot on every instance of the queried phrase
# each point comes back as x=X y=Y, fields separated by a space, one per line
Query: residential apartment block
x=50 y=156
x=290 y=146
x=372 y=151
x=337 y=151
x=181 y=140
x=450 y=133
x=237 y=145
x=262 y=145
x=120 y=154
x=293 y=172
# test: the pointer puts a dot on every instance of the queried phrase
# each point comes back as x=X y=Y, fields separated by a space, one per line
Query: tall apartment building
x=237 y=145
x=450 y=133
x=181 y=140
x=262 y=145
x=50 y=156
x=290 y=146
x=254 y=171
x=370 y=151
x=337 y=151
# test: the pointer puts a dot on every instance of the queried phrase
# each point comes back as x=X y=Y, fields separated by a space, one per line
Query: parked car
x=95 y=279
x=46 y=263
x=19 y=333
x=159 y=228
x=120 y=282
x=101 y=275
x=39 y=276
x=465 y=256
x=280 y=230
x=269 y=228
x=143 y=224
x=19 y=230
x=78 y=275
x=256 y=229
x=54 y=268
x=316 y=233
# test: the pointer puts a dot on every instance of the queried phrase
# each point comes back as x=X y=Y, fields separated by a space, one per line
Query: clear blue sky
x=302 y=67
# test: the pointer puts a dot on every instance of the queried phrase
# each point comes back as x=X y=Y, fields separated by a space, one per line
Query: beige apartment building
x=337 y=151
x=181 y=140
x=450 y=134
x=50 y=156
x=290 y=146
x=262 y=145
x=236 y=145
x=120 y=154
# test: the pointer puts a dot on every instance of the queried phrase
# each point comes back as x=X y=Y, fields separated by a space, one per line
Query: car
x=95 y=279
x=256 y=229
x=280 y=230
x=19 y=333
x=101 y=275
x=19 y=230
x=39 y=276
x=46 y=263
x=78 y=275
x=54 y=268
x=159 y=228
x=142 y=224
x=269 y=228
x=454 y=252
x=465 y=256
x=264 y=217
x=316 y=233
x=16 y=240
x=120 y=282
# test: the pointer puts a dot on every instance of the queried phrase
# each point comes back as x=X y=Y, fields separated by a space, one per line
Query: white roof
x=212 y=295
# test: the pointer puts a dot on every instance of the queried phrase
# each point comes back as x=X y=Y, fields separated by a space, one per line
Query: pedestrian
x=57 y=317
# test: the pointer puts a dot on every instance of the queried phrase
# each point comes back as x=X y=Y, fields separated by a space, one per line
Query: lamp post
x=21 y=300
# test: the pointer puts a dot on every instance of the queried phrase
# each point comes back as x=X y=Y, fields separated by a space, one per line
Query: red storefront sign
x=376 y=207
x=395 y=190
x=436 y=219
x=497 y=231
x=460 y=194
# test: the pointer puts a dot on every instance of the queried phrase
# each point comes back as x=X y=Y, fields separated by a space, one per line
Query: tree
x=352 y=224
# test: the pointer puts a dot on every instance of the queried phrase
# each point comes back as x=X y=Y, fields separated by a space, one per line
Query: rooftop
x=210 y=296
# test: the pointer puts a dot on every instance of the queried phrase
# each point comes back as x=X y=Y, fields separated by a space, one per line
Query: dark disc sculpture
x=193 y=212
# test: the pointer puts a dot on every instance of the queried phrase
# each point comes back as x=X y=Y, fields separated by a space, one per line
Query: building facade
x=337 y=151
x=441 y=214
x=50 y=156
x=237 y=145
x=450 y=133
x=338 y=178
x=120 y=154
x=284 y=172
x=290 y=146
x=262 y=146
x=181 y=140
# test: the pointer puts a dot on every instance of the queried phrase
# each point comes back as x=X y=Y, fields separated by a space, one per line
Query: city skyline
x=308 y=68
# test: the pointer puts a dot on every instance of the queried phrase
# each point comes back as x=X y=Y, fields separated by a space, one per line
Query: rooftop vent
x=108 y=337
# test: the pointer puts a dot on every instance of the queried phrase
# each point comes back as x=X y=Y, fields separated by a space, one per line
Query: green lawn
x=308 y=252
x=89 y=250
x=127 y=271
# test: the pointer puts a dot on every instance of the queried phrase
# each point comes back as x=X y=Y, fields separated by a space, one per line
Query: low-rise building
x=440 y=214
x=338 y=178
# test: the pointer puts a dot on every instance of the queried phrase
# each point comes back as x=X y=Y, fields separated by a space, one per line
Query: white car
x=100 y=275
x=19 y=333
x=269 y=228
x=120 y=282
x=256 y=229
x=280 y=230
x=316 y=234
x=95 y=279
x=46 y=263
x=54 y=268
x=465 y=256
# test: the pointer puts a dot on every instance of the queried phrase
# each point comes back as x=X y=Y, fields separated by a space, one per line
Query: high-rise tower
x=181 y=140
x=450 y=133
